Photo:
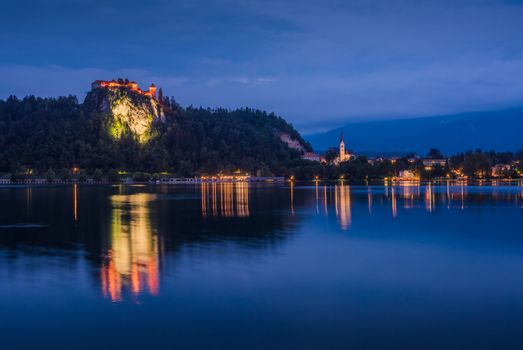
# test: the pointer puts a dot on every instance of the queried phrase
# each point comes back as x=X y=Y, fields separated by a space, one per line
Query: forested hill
x=117 y=130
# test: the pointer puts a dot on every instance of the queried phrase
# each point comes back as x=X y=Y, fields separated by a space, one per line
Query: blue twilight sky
x=318 y=63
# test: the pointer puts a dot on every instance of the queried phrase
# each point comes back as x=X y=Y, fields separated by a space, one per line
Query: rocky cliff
x=119 y=126
x=126 y=112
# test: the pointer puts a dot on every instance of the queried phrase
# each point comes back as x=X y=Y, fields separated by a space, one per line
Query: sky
x=317 y=63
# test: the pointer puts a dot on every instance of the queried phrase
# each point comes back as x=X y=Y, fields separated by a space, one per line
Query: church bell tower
x=342 y=147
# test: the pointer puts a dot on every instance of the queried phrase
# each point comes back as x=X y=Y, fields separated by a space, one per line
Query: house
x=501 y=170
x=407 y=175
x=430 y=164
x=311 y=156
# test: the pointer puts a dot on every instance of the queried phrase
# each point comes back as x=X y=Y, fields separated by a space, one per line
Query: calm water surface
x=232 y=266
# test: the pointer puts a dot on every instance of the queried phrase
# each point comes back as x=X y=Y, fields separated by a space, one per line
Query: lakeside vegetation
x=60 y=138
x=42 y=134
x=471 y=164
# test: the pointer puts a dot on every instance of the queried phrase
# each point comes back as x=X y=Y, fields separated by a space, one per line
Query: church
x=343 y=155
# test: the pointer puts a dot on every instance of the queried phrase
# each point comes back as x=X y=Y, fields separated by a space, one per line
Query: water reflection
x=134 y=228
x=398 y=196
x=75 y=202
x=225 y=199
x=212 y=268
x=132 y=261
x=342 y=205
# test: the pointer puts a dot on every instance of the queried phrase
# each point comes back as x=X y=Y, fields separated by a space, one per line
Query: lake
x=239 y=266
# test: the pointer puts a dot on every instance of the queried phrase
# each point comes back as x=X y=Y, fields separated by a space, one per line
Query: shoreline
x=370 y=183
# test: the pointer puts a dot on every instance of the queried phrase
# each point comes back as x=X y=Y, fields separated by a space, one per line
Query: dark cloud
x=315 y=62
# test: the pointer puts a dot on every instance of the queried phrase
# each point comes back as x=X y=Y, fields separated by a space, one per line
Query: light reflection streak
x=226 y=199
x=449 y=198
x=369 y=199
x=29 y=199
x=325 y=206
x=462 y=195
x=292 y=196
x=75 y=202
x=317 y=199
x=429 y=198
x=343 y=205
x=394 y=205
x=133 y=257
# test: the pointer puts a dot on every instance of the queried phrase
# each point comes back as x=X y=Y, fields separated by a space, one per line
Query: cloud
x=54 y=80
x=315 y=62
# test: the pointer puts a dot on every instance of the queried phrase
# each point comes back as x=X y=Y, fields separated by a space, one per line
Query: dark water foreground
x=230 y=266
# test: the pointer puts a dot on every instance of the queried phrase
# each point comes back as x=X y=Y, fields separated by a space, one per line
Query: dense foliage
x=51 y=136
x=471 y=164
x=59 y=133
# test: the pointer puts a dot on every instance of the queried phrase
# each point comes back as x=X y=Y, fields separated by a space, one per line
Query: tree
x=65 y=174
x=82 y=176
x=435 y=153
x=330 y=155
x=141 y=176
x=97 y=175
x=50 y=175
x=113 y=176
x=155 y=177
x=160 y=95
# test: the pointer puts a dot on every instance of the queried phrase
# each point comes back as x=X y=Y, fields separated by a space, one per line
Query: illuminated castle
x=120 y=84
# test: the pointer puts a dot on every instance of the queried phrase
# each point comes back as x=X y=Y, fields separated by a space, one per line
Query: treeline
x=472 y=164
x=42 y=134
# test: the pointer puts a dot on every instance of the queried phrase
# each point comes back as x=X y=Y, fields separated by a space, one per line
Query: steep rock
x=126 y=112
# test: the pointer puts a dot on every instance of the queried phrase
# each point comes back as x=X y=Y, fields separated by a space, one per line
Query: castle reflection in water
x=131 y=263
x=132 y=260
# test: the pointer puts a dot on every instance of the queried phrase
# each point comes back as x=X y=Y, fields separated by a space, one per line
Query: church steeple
x=342 y=147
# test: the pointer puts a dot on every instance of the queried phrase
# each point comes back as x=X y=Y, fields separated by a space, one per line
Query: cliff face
x=119 y=128
x=126 y=112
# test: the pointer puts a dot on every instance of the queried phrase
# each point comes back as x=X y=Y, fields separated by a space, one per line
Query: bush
x=155 y=177
x=113 y=176
x=141 y=177
x=65 y=174
x=82 y=176
x=50 y=175
x=97 y=175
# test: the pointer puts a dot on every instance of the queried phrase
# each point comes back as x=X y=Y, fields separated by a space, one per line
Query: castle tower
x=152 y=90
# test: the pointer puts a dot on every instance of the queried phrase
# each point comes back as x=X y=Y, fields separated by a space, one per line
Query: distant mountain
x=489 y=130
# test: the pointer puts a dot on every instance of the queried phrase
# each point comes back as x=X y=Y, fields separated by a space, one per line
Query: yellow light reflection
x=429 y=198
x=325 y=206
x=242 y=198
x=369 y=199
x=292 y=196
x=133 y=257
x=394 y=205
x=317 y=199
x=343 y=205
x=75 y=202
x=227 y=199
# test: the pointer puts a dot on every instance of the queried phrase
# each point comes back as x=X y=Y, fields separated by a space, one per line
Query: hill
x=122 y=127
x=499 y=130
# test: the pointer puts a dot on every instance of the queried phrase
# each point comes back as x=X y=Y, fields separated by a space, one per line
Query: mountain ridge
x=451 y=133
